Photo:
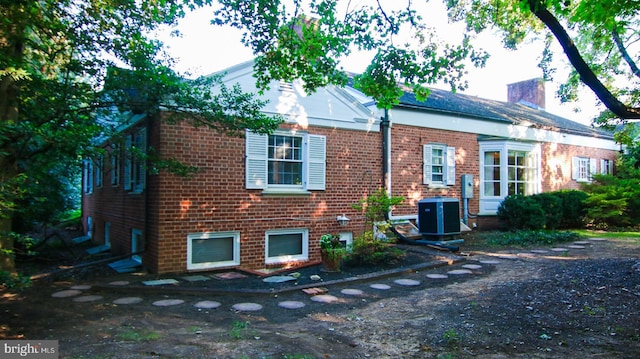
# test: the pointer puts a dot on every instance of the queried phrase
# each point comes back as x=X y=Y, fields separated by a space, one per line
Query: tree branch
x=586 y=74
x=623 y=50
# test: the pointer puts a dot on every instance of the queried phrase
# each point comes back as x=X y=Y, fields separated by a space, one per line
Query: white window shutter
x=575 y=168
x=317 y=162
x=451 y=166
x=592 y=167
x=142 y=148
x=127 y=163
x=256 y=160
x=426 y=164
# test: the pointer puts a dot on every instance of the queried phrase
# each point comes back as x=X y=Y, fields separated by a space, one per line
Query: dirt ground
x=580 y=303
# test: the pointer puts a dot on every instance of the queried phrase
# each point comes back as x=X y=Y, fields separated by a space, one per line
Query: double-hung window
x=606 y=167
x=285 y=161
x=439 y=165
x=115 y=164
x=88 y=176
x=507 y=168
x=134 y=167
x=583 y=168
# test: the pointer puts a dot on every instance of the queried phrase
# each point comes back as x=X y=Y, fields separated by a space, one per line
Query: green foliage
x=550 y=210
x=530 y=238
x=331 y=246
x=14 y=281
x=521 y=212
x=367 y=250
x=613 y=202
x=377 y=205
x=239 y=329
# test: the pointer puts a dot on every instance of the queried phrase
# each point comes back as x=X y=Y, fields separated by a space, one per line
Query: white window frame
x=134 y=166
x=88 y=176
x=606 y=166
x=583 y=168
x=115 y=164
x=99 y=169
x=448 y=165
x=287 y=258
x=489 y=203
x=313 y=163
x=235 y=261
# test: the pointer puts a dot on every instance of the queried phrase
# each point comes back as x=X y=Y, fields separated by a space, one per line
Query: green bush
x=531 y=238
x=550 y=210
x=367 y=250
x=521 y=212
x=613 y=202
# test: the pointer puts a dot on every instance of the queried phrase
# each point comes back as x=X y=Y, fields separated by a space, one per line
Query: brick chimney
x=529 y=93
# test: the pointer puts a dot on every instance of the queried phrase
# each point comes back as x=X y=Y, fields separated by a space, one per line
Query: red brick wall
x=407 y=160
x=216 y=199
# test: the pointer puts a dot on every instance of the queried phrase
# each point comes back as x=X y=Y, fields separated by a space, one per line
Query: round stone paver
x=472 y=266
x=88 y=298
x=279 y=279
x=66 y=293
x=575 y=246
x=380 y=286
x=128 y=300
x=324 y=298
x=490 y=261
x=560 y=249
x=597 y=239
x=207 y=304
x=459 y=271
x=437 y=276
x=291 y=304
x=581 y=243
x=167 y=302
x=349 y=291
x=540 y=251
x=247 y=307
x=120 y=282
x=81 y=287
x=407 y=282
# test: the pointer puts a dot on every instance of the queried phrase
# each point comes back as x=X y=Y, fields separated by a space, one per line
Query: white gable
x=327 y=107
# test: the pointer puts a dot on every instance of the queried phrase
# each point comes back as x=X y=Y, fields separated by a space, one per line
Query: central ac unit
x=439 y=216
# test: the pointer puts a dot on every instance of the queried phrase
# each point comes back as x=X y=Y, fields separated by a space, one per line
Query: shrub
x=521 y=212
x=613 y=202
x=367 y=250
x=531 y=238
x=550 y=210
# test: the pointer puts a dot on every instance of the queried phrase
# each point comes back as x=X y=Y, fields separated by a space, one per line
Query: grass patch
x=523 y=238
x=132 y=335
x=627 y=236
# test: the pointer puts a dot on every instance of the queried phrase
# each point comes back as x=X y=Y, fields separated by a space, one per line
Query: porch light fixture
x=343 y=220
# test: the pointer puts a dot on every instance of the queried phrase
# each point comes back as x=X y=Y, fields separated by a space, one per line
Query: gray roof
x=515 y=113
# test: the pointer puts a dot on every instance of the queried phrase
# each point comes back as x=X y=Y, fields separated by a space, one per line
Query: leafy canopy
x=305 y=39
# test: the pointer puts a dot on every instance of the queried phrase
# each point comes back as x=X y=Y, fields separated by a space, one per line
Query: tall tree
x=597 y=37
x=54 y=58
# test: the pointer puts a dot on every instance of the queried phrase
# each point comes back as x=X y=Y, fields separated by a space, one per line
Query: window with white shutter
x=439 y=165
x=285 y=161
x=583 y=168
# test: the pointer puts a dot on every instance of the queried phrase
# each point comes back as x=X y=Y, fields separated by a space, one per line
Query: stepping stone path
x=489 y=261
x=81 y=287
x=66 y=293
x=437 y=276
x=120 y=282
x=207 y=304
x=575 y=246
x=167 y=302
x=247 y=307
x=539 y=251
x=472 y=266
x=380 y=286
x=407 y=282
x=324 y=298
x=459 y=271
x=291 y=304
x=88 y=298
x=356 y=292
x=559 y=249
x=128 y=300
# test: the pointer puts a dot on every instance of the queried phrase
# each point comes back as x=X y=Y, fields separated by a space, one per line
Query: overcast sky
x=204 y=48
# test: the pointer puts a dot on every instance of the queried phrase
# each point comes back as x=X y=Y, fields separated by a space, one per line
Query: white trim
x=304 y=232
x=235 y=260
x=420 y=119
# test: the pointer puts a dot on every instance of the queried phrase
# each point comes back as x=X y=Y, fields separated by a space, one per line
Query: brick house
x=264 y=201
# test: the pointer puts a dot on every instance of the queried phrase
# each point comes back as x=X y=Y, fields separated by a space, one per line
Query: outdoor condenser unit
x=439 y=216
